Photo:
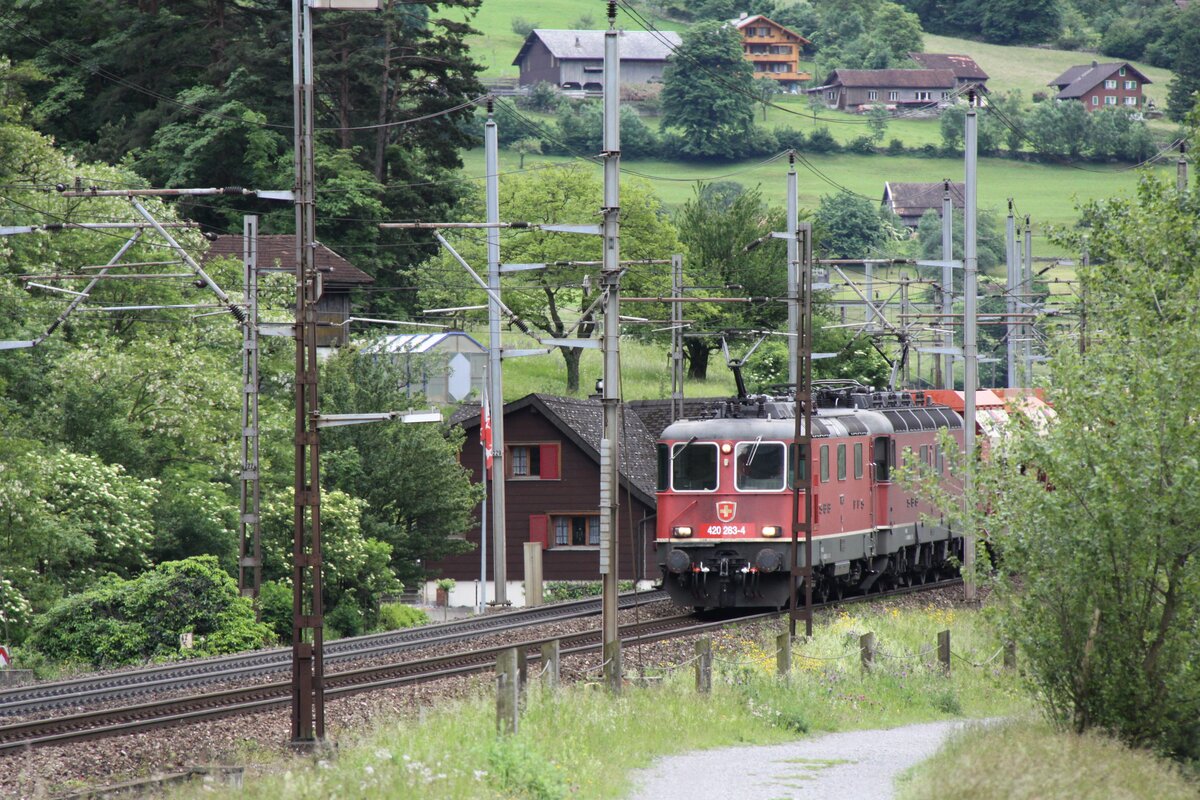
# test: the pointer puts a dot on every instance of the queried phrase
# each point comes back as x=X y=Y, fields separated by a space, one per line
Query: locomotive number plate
x=727 y=530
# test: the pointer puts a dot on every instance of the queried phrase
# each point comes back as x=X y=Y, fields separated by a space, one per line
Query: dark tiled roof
x=914 y=199
x=964 y=67
x=582 y=421
x=893 y=78
x=1079 y=80
x=279 y=251
x=656 y=414
x=589 y=45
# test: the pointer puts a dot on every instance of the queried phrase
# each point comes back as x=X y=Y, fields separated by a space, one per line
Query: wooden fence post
x=704 y=666
x=783 y=654
x=866 y=651
x=550 y=662
x=944 y=651
x=1010 y=655
x=507 y=691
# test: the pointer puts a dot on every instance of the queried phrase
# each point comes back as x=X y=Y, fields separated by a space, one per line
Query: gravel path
x=860 y=764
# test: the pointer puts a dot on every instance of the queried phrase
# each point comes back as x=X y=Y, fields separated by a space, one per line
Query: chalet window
x=781 y=66
x=923 y=95
x=945 y=95
x=872 y=94
x=1131 y=85
x=763 y=32
x=1110 y=100
x=1095 y=100
x=831 y=95
x=781 y=49
x=694 y=467
x=841 y=462
x=893 y=95
x=1121 y=72
x=760 y=66
x=824 y=463
x=760 y=49
x=1131 y=101
x=760 y=467
x=534 y=462
x=858 y=460
x=1110 y=84
x=576 y=530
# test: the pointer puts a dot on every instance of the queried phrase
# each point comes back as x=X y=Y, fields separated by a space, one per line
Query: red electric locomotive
x=725 y=506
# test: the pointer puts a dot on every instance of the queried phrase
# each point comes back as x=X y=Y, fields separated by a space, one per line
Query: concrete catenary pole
x=495 y=387
x=1011 y=260
x=676 y=337
x=948 y=280
x=1025 y=271
x=250 y=557
x=970 y=354
x=793 y=265
x=611 y=395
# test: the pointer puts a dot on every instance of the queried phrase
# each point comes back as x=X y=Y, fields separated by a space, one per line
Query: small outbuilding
x=910 y=201
x=572 y=59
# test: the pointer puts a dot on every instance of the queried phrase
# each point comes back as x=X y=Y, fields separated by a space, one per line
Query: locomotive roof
x=827 y=423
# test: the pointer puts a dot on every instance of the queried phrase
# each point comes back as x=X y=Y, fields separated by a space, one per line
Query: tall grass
x=1027 y=760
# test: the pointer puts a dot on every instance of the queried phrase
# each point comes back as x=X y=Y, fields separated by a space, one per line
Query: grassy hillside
x=1047 y=192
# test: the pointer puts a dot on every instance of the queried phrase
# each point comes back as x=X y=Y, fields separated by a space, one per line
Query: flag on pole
x=485 y=430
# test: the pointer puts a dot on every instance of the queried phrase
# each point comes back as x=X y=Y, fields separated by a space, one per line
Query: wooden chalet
x=773 y=49
x=910 y=201
x=277 y=253
x=1113 y=85
x=572 y=59
x=857 y=90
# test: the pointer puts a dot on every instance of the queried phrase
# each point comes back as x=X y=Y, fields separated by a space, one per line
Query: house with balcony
x=857 y=90
x=773 y=50
x=1113 y=85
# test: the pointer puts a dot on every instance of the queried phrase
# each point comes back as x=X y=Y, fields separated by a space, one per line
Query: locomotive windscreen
x=694 y=467
x=760 y=467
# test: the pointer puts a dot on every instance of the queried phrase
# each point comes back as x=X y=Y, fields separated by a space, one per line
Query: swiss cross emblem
x=726 y=510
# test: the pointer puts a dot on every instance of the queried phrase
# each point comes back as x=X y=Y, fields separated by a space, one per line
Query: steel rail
x=128 y=684
x=214 y=705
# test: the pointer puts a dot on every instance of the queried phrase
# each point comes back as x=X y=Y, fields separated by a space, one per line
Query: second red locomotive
x=724 y=497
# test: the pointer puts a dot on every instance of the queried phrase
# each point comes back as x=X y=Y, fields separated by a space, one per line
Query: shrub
x=394 y=616
x=789 y=138
x=822 y=141
x=275 y=609
x=126 y=621
x=522 y=27
x=557 y=591
x=895 y=147
x=863 y=145
x=345 y=619
x=542 y=96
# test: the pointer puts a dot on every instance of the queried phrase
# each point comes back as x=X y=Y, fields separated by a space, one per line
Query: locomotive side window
x=858 y=461
x=798 y=457
x=760 y=467
x=664 y=467
x=824 y=463
x=841 y=462
x=881 y=453
x=694 y=467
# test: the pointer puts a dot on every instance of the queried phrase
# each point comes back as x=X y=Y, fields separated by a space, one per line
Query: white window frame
x=743 y=446
x=1095 y=100
x=1131 y=85
x=893 y=95
x=872 y=94
x=1131 y=101
x=1110 y=100
x=924 y=96
x=1110 y=84
x=1121 y=72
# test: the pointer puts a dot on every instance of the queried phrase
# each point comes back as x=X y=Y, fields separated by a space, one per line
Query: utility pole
x=793 y=267
x=869 y=286
x=610 y=280
x=1181 y=168
x=250 y=557
x=948 y=279
x=495 y=357
x=801 y=455
x=970 y=354
x=1010 y=298
x=906 y=373
x=676 y=337
x=1026 y=282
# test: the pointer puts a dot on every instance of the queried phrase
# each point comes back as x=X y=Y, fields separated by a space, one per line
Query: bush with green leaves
x=129 y=621
x=395 y=616
x=558 y=591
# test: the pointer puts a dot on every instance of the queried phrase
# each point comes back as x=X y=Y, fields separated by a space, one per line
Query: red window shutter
x=539 y=529
x=549 y=458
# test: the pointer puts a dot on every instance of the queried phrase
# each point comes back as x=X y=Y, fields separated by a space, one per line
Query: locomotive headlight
x=727 y=448
x=681 y=531
x=771 y=530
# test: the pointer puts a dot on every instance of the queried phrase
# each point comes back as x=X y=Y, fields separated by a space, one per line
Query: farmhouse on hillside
x=910 y=201
x=860 y=89
x=773 y=50
x=1113 y=85
x=575 y=59
x=967 y=73
x=277 y=253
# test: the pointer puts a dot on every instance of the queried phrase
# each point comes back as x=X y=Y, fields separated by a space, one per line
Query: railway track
x=131 y=684
x=262 y=697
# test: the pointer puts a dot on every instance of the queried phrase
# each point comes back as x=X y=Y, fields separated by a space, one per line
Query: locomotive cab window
x=760 y=467
x=883 y=461
x=664 y=467
x=694 y=467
